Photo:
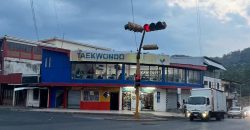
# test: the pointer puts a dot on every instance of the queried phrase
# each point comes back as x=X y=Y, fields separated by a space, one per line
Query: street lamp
x=146 y=28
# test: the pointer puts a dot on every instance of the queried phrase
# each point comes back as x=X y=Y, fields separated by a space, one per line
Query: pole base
x=137 y=115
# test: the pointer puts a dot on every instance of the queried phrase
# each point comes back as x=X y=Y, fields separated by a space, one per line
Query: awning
x=23 y=88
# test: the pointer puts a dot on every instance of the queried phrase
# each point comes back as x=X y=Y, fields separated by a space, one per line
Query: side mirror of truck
x=208 y=101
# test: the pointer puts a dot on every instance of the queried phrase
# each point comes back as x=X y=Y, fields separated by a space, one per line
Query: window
x=130 y=71
x=170 y=74
x=218 y=86
x=96 y=71
x=194 y=76
x=155 y=73
x=175 y=75
x=91 y=95
x=35 y=94
x=210 y=85
x=145 y=73
x=205 y=83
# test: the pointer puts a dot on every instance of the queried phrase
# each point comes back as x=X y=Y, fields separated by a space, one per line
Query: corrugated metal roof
x=202 y=61
x=77 y=43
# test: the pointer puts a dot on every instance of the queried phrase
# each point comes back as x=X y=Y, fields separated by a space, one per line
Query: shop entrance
x=59 y=98
x=147 y=102
x=43 y=98
x=126 y=101
x=114 y=101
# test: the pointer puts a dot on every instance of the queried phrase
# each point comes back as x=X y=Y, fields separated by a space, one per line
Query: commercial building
x=59 y=73
x=104 y=80
x=210 y=76
x=20 y=72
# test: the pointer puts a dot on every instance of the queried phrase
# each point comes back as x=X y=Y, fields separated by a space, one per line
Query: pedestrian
x=178 y=105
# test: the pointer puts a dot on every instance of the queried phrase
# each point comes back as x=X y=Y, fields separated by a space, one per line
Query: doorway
x=147 y=101
x=114 y=101
x=43 y=98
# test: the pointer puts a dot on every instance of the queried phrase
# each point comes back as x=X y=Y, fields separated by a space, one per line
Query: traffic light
x=155 y=26
x=133 y=27
x=137 y=80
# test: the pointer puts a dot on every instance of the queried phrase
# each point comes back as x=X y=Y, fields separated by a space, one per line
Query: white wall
x=26 y=67
x=160 y=106
x=30 y=101
x=214 y=82
x=133 y=101
x=71 y=46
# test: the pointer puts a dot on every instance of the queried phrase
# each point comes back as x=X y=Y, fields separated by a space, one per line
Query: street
x=25 y=120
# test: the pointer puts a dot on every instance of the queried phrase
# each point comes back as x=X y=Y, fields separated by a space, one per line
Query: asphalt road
x=23 y=120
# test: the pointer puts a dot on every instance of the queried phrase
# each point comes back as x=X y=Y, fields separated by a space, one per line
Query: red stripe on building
x=189 y=66
x=15 y=78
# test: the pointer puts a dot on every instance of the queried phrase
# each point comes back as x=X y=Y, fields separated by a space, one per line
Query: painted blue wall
x=59 y=69
x=60 y=72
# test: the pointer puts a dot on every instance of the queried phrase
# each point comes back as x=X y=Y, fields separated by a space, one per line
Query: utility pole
x=146 y=28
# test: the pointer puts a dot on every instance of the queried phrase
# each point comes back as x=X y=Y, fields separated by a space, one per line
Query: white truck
x=205 y=103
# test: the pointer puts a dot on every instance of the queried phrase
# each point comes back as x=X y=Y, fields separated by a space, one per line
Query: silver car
x=235 y=112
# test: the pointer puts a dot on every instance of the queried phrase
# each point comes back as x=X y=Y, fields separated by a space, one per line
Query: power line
x=34 y=18
x=133 y=17
x=198 y=26
x=57 y=19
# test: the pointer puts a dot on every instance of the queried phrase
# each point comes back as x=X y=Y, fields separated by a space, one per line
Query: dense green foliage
x=237 y=64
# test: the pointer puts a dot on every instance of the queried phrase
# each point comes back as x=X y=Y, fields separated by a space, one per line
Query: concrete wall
x=30 y=101
x=161 y=104
x=26 y=67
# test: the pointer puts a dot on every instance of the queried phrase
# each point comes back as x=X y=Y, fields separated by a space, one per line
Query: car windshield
x=235 y=109
x=197 y=100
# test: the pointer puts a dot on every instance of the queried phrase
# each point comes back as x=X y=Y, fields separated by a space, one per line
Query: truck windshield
x=197 y=100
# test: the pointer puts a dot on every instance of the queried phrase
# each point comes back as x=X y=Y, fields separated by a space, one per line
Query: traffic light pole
x=138 y=73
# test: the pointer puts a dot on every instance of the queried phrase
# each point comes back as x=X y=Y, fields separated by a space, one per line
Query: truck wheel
x=191 y=118
x=218 y=117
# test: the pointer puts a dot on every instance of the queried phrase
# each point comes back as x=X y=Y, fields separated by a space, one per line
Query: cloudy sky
x=195 y=27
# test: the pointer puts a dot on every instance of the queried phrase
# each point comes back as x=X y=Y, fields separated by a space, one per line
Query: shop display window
x=90 y=95
x=96 y=71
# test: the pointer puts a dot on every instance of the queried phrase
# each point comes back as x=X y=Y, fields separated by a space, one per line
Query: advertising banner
x=119 y=57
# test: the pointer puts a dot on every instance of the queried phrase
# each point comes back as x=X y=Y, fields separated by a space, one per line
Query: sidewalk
x=108 y=115
x=118 y=115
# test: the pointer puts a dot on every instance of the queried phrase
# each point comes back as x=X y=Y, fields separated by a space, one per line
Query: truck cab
x=198 y=107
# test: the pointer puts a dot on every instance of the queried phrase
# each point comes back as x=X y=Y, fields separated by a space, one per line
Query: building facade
x=104 y=80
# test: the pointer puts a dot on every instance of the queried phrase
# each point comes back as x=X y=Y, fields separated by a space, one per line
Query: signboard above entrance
x=119 y=57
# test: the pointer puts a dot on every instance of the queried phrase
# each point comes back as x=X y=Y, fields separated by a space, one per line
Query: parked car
x=235 y=112
x=246 y=111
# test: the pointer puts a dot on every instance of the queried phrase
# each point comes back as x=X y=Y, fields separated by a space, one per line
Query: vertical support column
x=123 y=72
x=186 y=76
x=163 y=74
x=120 y=99
x=179 y=96
x=14 y=97
x=65 y=99
x=48 y=99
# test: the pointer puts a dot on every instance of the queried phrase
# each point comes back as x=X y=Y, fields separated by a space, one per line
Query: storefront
x=104 y=80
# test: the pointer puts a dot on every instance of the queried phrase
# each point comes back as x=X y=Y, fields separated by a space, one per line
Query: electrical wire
x=133 y=17
x=34 y=19
x=58 y=24
x=198 y=26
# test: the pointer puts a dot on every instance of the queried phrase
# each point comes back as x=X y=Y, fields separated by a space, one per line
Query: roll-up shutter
x=74 y=97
